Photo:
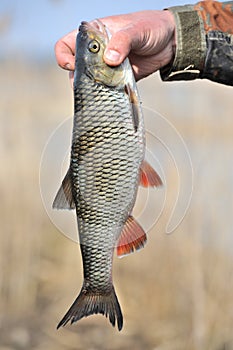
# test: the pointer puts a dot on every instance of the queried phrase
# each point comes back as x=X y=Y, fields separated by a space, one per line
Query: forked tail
x=89 y=303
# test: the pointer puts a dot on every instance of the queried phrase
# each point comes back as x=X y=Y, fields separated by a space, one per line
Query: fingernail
x=112 y=55
x=68 y=66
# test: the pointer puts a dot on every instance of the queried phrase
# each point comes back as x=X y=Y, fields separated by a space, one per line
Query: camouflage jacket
x=204 y=43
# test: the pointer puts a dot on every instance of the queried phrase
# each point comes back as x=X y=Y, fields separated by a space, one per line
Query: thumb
x=118 y=48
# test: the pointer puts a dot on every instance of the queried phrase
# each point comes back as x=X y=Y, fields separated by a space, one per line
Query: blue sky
x=32 y=27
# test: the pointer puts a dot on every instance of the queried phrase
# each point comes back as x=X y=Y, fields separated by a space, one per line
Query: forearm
x=204 y=43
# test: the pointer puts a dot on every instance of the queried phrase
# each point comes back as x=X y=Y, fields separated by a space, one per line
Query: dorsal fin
x=64 y=198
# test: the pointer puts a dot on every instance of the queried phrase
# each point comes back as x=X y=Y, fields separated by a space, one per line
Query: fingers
x=65 y=51
x=118 y=48
x=120 y=45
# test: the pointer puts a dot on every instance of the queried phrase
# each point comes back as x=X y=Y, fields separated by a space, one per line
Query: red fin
x=148 y=176
x=132 y=237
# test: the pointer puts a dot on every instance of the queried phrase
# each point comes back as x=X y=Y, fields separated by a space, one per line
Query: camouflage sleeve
x=204 y=43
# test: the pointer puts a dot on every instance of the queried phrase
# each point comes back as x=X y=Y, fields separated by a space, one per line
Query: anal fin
x=132 y=238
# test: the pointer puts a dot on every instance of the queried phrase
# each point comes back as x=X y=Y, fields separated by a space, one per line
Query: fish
x=106 y=167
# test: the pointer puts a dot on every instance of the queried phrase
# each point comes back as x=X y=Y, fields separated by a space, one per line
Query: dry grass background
x=176 y=294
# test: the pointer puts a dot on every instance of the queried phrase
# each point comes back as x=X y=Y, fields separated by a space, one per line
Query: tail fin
x=89 y=303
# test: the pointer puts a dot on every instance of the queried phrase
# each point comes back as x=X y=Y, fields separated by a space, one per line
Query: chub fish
x=106 y=167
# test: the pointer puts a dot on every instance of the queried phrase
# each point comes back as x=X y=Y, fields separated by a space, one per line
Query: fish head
x=91 y=42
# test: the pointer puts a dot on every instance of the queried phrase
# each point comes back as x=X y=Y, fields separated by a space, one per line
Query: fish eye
x=94 y=46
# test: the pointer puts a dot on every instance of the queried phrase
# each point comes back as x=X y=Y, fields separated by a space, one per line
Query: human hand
x=147 y=37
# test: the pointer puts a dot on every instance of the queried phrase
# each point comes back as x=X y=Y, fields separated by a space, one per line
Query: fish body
x=108 y=147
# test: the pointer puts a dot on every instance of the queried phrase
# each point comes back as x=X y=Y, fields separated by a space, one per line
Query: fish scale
x=102 y=181
x=110 y=134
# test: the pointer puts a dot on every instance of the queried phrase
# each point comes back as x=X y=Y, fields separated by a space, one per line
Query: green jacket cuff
x=190 y=46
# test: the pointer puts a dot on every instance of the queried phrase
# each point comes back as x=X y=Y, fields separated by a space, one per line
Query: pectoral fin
x=64 y=198
x=148 y=176
x=135 y=104
x=132 y=238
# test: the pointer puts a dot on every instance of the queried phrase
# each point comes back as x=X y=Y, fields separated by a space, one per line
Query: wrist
x=172 y=27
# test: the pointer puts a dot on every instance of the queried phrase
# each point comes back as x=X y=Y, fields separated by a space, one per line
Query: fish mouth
x=95 y=26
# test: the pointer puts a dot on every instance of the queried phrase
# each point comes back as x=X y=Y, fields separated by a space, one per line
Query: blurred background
x=176 y=294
